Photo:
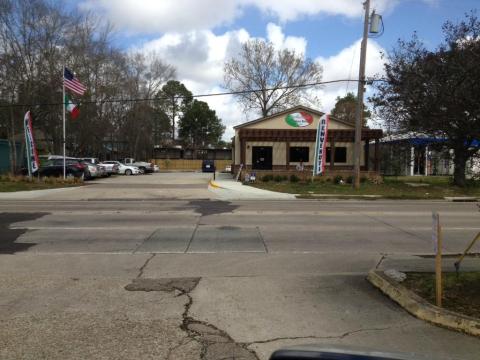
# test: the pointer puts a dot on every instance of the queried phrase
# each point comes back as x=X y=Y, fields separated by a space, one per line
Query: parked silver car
x=124 y=169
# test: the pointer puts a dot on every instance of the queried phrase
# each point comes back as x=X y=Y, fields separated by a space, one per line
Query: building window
x=340 y=155
x=299 y=153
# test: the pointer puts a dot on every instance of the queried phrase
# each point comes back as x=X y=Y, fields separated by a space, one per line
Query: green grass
x=392 y=188
x=460 y=294
x=19 y=183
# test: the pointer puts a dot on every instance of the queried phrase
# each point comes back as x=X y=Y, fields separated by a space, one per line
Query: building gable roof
x=284 y=112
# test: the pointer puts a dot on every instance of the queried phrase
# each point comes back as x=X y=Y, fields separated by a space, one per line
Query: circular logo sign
x=299 y=119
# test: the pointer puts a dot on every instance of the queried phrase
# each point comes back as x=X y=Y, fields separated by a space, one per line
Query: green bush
x=267 y=178
x=337 y=179
x=294 y=178
x=363 y=179
x=278 y=178
x=349 y=180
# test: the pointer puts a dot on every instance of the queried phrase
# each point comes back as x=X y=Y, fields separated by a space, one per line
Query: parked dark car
x=73 y=168
x=208 y=166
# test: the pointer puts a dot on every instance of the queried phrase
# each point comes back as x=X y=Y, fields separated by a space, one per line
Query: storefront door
x=262 y=157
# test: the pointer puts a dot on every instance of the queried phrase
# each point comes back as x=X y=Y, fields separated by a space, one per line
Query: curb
x=338 y=197
x=214 y=185
x=461 y=198
x=420 y=308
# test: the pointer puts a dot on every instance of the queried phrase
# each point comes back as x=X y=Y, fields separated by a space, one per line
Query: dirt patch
x=460 y=293
x=8 y=244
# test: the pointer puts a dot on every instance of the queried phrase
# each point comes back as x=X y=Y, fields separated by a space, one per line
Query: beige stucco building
x=284 y=140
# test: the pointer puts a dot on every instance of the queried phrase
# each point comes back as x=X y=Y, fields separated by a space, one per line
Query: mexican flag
x=71 y=108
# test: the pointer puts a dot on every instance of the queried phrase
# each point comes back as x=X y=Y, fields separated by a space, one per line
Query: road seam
x=140 y=274
x=191 y=238
x=262 y=239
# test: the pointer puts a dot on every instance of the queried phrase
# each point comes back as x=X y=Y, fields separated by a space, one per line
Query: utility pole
x=359 y=107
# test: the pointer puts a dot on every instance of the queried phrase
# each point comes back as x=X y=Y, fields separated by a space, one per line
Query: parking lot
x=156 y=186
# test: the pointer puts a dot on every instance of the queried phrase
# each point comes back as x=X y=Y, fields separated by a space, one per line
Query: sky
x=198 y=36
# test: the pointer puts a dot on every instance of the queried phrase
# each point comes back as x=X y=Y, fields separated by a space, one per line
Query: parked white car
x=125 y=169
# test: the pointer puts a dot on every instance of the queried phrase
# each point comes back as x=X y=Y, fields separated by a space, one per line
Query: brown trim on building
x=305 y=135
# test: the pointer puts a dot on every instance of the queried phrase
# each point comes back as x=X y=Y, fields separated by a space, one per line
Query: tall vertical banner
x=32 y=157
x=320 y=145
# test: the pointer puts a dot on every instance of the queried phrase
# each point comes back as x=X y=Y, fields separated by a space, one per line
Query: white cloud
x=276 y=36
x=153 y=16
x=199 y=57
x=344 y=65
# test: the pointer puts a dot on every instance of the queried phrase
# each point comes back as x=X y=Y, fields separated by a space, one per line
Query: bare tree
x=38 y=37
x=278 y=75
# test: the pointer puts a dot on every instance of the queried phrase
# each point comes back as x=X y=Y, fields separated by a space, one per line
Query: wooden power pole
x=359 y=107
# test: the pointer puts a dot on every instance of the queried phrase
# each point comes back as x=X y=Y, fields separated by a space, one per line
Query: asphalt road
x=157 y=266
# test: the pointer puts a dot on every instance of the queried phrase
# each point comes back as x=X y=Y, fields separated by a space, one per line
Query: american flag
x=72 y=83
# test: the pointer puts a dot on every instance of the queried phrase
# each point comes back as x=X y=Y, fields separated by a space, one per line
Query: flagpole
x=63 y=105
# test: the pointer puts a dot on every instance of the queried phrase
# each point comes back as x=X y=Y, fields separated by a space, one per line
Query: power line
x=193 y=96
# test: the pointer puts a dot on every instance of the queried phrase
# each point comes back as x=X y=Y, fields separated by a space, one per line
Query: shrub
x=278 y=178
x=338 y=179
x=294 y=178
x=267 y=178
x=363 y=179
x=349 y=180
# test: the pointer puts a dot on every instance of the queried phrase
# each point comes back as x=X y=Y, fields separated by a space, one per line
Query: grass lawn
x=460 y=294
x=392 y=188
x=9 y=185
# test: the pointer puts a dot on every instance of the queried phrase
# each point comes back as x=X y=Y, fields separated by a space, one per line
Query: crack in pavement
x=380 y=261
x=142 y=268
x=215 y=343
x=341 y=336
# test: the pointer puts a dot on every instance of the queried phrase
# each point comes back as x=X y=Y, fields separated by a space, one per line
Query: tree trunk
x=460 y=161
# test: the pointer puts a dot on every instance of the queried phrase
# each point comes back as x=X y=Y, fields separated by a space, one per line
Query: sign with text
x=33 y=162
x=320 y=145
x=299 y=119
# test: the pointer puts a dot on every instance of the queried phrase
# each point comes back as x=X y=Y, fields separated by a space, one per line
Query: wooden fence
x=187 y=164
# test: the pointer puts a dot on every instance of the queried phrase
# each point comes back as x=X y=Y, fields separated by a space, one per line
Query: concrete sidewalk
x=36 y=194
x=225 y=187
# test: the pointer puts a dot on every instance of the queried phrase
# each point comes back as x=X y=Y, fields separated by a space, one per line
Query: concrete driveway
x=175 y=185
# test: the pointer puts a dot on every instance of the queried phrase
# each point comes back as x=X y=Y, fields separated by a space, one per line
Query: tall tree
x=437 y=92
x=173 y=99
x=345 y=109
x=38 y=37
x=276 y=74
x=200 y=126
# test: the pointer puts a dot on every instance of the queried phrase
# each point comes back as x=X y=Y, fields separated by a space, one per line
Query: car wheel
x=128 y=172
x=142 y=170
